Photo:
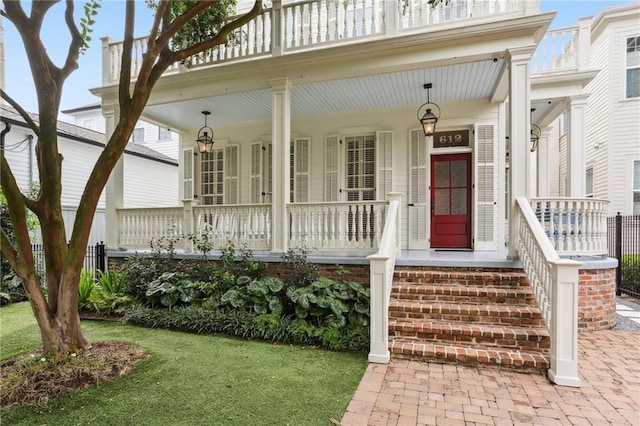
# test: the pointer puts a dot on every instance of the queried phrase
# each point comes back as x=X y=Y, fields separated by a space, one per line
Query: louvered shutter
x=418 y=195
x=301 y=170
x=332 y=168
x=231 y=174
x=267 y=176
x=486 y=222
x=256 y=173
x=187 y=174
x=384 y=164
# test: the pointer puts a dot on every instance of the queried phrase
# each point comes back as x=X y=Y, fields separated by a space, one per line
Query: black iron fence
x=94 y=259
x=623 y=237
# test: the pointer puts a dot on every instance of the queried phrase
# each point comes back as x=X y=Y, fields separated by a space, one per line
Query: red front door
x=451 y=201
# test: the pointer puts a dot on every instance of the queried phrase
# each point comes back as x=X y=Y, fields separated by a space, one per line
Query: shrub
x=140 y=271
x=11 y=289
x=172 y=288
x=301 y=273
x=108 y=297
x=630 y=268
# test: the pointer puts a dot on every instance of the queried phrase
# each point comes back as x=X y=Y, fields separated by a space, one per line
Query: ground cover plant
x=192 y=379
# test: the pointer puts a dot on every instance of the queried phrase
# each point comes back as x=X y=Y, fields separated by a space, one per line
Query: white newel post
x=281 y=134
x=584 y=43
x=576 y=165
x=277 y=29
x=391 y=20
x=519 y=135
x=379 y=302
x=114 y=191
x=188 y=224
x=564 y=323
x=106 y=60
x=397 y=197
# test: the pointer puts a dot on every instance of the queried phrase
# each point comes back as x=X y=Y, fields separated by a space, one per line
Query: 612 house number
x=449 y=139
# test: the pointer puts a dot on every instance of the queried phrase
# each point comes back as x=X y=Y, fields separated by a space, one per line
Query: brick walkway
x=418 y=393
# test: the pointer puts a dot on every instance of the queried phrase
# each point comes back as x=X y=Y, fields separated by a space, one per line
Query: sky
x=110 y=23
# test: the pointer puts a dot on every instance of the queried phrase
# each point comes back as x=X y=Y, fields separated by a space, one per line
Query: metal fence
x=623 y=236
x=94 y=259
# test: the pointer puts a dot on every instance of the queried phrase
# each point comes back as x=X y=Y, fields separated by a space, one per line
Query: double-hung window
x=361 y=168
x=589 y=182
x=633 y=67
x=219 y=176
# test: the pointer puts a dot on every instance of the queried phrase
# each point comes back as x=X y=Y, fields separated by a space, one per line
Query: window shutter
x=384 y=175
x=301 y=170
x=332 y=168
x=256 y=173
x=486 y=189
x=418 y=194
x=187 y=174
x=231 y=174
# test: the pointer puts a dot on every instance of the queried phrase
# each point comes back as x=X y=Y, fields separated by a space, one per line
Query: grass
x=192 y=379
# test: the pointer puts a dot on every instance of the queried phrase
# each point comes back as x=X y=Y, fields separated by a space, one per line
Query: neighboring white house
x=612 y=129
x=160 y=139
x=150 y=178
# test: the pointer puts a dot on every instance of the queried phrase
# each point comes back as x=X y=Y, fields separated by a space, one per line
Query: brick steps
x=470 y=317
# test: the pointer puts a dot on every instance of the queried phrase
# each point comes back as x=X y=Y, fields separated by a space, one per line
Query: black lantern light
x=428 y=119
x=535 y=133
x=205 y=136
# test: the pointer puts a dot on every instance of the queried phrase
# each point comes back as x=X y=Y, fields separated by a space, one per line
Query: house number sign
x=450 y=139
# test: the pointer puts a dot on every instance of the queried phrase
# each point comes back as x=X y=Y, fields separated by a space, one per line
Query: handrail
x=381 y=269
x=554 y=282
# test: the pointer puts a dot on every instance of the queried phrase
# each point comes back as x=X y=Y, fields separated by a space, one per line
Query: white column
x=543 y=158
x=576 y=139
x=584 y=43
x=519 y=135
x=114 y=190
x=281 y=134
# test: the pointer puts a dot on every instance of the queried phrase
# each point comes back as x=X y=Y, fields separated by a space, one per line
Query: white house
x=159 y=139
x=315 y=116
x=150 y=178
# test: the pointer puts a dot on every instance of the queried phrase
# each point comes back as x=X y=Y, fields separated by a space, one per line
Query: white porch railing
x=565 y=49
x=306 y=24
x=381 y=269
x=139 y=226
x=574 y=226
x=555 y=285
x=350 y=225
x=244 y=225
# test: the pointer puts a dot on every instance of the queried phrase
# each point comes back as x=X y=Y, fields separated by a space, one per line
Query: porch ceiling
x=475 y=80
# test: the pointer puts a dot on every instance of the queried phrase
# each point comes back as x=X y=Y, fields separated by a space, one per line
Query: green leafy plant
x=11 y=289
x=112 y=281
x=140 y=271
x=85 y=288
x=260 y=295
x=172 y=288
x=166 y=244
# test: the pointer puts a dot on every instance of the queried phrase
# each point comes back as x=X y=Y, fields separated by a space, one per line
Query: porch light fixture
x=205 y=136
x=535 y=133
x=428 y=119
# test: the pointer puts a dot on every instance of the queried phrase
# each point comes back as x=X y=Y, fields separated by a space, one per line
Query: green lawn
x=193 y=380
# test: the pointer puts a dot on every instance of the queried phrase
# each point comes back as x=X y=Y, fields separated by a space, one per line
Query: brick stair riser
x=519 y=361
x=466 y=319
x=475 y=341
x=509 y=299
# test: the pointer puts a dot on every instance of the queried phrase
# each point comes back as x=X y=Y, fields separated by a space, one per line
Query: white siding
x=149 y=184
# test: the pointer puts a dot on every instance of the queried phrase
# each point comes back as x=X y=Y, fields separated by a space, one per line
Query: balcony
x=317 y=24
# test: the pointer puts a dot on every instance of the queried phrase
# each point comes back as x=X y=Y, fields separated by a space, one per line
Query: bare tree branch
x=27 y=118
x=159 y=17
x=174 y=26
x=76 y=43
x=127 y=49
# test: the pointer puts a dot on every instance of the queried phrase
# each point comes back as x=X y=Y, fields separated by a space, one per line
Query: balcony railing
x=574 y=226
x=307 y=24
x=565 y=49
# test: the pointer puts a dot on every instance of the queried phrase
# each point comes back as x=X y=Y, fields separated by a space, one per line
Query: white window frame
x=363 y=163
x=635 y=67
x=137 y=136
x=164 y=134
x=589 y=183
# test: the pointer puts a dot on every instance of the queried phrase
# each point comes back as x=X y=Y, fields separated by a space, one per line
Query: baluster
x=318 y=27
